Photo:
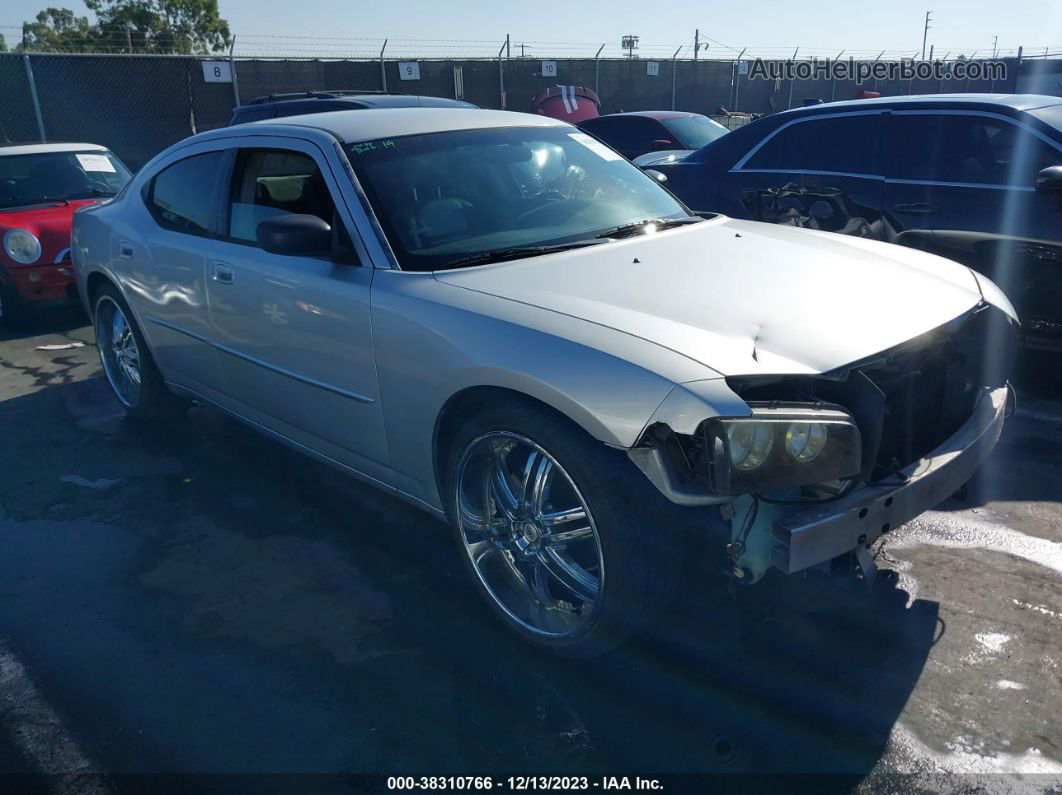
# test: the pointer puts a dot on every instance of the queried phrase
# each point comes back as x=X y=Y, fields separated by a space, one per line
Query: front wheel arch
x=463 y=405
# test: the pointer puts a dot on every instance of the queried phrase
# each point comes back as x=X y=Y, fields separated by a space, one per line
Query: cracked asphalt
x=196 y=599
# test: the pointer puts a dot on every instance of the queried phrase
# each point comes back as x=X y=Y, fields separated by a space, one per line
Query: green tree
x=58 y=30
x=3 y=44
x=179 y=26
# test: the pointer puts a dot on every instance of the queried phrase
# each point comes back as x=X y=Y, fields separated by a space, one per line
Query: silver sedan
x=500 y=320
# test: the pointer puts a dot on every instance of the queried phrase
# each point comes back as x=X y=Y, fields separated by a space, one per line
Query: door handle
x=917 y=208
x=223 y=273
x=125 y=249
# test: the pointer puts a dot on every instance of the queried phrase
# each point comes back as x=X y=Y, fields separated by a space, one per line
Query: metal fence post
x=597 y=71
x=792 y=83
x=501 y=74
x=33 y=94
x=674 y=74
x=383 y=68
x=232 y=69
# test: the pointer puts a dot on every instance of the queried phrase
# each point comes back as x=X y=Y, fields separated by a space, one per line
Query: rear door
x=819 y=172
x=293 y=332
x=962 y=184
x=163 y=269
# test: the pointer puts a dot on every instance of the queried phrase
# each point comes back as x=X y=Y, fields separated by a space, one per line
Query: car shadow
x=50 y=320
x=324 y=626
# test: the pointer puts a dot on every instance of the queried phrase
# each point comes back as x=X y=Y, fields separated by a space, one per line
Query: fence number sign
x=652 y=68
x=409 y=70
x=743 y=67
x=217 y=72
x=549 y=68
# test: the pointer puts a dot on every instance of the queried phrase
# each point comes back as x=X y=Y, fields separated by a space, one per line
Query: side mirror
x=1050 y=180
x=659 y=176
x=295 y=235
x=660 y=144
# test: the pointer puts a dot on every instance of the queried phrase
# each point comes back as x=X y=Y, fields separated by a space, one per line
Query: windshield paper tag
x=95 y=163
x=595 y=146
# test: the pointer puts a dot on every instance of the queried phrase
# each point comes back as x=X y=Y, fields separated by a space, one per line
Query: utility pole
x=128 y=39
x=696 y=42
x=925 y=33
x=995 y=48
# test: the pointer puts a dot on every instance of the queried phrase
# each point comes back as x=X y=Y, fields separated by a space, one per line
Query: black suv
x=275 y=106
x=976 y=178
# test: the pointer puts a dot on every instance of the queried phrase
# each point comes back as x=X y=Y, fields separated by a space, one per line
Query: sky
x=830 y=25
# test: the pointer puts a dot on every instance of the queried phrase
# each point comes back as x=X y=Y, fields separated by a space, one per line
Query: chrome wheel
x=118 y=351
x=529 y=535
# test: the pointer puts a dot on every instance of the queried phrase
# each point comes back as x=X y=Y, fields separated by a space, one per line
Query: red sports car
x=41 y=186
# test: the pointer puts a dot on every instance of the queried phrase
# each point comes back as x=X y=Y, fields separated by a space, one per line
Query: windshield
x=1052 y=114
x=59 y=176
x=447 y=197
x=695 y=131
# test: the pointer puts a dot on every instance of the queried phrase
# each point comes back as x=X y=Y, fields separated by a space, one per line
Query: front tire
x=570 y=545
x=127 y=362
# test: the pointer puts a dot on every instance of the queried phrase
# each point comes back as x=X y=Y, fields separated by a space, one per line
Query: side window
x=180 y=197
x=845 y=144
x=770 y=154
x=271 y=182
x=976 y=150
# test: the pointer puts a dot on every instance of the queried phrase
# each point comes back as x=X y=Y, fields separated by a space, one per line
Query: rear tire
x=571 y=546
x=127 y=362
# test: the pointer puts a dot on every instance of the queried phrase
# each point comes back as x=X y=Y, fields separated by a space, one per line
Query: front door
x=962 y=184
x=820 y=172
x=293 y=332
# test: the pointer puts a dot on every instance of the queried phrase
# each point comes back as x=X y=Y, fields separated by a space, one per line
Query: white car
x=500 y=320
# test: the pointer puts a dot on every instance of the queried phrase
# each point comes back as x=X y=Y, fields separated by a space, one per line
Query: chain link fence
x=139 y=104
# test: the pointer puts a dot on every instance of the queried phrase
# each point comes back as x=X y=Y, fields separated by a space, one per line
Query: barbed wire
x=277 y=46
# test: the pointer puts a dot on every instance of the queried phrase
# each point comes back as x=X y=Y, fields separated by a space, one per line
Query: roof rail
x=312 y=95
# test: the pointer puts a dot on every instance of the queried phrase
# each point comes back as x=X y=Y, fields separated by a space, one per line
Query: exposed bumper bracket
x=821 y=533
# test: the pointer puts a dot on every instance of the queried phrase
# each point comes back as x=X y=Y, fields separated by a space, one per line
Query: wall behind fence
x=138 y=105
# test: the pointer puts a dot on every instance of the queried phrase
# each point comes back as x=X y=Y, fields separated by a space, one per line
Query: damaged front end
x=806 y=471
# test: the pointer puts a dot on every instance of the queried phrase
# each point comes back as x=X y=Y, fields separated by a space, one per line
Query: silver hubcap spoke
x=118 y=351
x=529 y=534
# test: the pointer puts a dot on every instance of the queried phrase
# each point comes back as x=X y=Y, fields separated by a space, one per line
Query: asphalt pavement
x=196 y=599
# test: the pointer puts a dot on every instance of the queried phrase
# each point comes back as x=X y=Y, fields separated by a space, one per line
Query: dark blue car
x=976 y=178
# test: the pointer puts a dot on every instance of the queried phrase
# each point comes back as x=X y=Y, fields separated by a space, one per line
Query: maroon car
x=633 y=134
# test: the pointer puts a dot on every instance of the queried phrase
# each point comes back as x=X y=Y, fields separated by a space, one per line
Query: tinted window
x=182 y=195
x=631 y=132
x=844 y=144
x=968 y=149
x=271 y=182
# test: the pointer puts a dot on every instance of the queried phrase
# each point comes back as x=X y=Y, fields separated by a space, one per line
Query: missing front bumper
x=819 y=534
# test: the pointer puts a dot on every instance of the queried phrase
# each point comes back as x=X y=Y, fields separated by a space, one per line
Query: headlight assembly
x=22 y=246
x=781 y=446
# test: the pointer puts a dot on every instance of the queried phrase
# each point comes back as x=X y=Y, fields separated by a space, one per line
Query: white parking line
x=40 y=735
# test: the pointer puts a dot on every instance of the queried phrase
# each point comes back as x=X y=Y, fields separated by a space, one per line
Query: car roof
x=40 y=149
x=351 y=126
x=1019 y=102
x=652 y=114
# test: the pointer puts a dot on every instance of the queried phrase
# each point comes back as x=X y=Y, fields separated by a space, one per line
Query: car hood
x=742 y=297
x=663 y=157
x=50 y=223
